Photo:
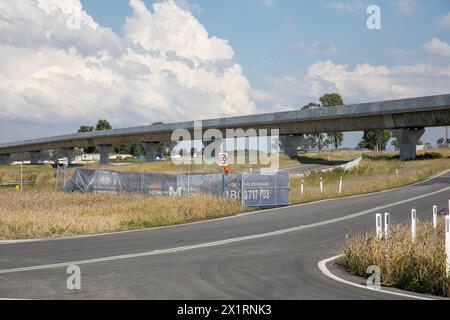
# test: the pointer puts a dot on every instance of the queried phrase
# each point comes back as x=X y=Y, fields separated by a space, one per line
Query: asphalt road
x=265 y=255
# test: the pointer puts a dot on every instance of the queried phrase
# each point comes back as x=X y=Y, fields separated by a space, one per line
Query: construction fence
x=254 y=189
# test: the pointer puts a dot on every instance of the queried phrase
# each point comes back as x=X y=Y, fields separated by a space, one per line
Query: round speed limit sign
x=223 y=159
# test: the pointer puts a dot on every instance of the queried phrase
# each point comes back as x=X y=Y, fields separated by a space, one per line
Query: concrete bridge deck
x=407 y=117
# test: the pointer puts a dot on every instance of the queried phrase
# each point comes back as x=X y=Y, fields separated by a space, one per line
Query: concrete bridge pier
x=408 y=139
x=69 y=154
x=289 y=144
x=105 y=150
x=150 y=149
x=35 y=157
x=4 y=159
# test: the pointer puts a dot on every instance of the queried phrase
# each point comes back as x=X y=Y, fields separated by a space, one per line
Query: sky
x=66 y=63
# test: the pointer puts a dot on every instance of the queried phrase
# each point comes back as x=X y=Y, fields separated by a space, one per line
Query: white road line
x=221 y=242
x=323 y=268
x=240 y=215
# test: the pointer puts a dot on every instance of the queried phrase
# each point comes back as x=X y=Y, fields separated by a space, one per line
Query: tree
x=441 y=142
x=316 y=140
x=87 y=129
x=333 y=100
x=103 y=125
x=375 y=139
x=395 y=144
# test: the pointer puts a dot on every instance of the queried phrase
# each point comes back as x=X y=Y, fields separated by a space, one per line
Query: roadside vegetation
x=417 y=267
x=380 y=171
x=41 y=212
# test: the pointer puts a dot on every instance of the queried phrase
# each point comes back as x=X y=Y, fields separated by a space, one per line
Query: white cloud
x=407 y=7
x=363 y=83
x=437 y=47
x=351 y=7
x=165 y=67
x=444 y=21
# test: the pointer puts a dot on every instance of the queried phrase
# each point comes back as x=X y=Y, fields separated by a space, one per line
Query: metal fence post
x=57 y=178
x=242 y=190
x=189 y=184
x=21 y=176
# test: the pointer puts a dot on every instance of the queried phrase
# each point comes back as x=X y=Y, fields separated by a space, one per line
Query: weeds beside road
x=417 y=267
x=40 y=212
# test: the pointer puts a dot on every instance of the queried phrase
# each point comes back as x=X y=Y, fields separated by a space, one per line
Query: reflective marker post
x=447 y=243
x=413 y=224
x=387 y=223
x=435 y=217
x=379 y=225
x=321 y=184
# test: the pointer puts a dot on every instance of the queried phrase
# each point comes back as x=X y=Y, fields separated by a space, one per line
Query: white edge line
x=267 y=211
x=220 y=242
x=323 y=268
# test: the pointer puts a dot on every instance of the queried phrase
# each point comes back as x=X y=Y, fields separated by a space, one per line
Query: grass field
x=418 y=266
x=40 y=212
x=376 y=174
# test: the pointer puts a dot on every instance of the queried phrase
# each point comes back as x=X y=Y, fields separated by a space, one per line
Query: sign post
x=223 y=160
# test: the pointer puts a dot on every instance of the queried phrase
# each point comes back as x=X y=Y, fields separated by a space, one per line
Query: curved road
x=265 y=255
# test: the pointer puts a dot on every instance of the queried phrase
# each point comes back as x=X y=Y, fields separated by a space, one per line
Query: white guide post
x=387 y=224
x=447 y=243
x=413 y=224
x=379 y=225
x=435 y=217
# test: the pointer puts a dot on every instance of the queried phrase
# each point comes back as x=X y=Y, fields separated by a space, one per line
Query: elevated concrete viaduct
x=407 y=117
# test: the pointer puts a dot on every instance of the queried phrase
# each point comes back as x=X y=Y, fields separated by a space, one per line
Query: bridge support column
x=105 y=150
x=69 y=154
x=151 y=148
x=4 y=159
x=289 y=144
x=35 y=157
x=408 y=139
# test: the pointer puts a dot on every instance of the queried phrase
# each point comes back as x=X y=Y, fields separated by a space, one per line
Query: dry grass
x=352 y=154
x=46 y=214
x=370 y=176
x=39 y=212
x=418 y=267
